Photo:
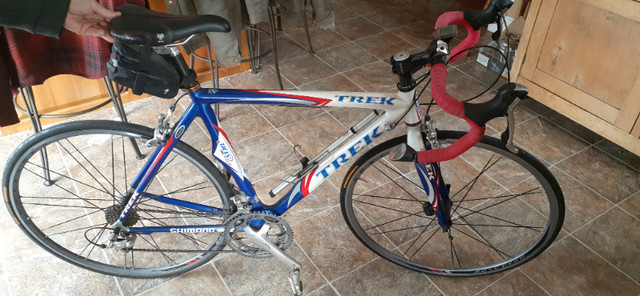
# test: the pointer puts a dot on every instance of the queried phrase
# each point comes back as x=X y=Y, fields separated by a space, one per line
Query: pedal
x=260 y=239
x=296 y=283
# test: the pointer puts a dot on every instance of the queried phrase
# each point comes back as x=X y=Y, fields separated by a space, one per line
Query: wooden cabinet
x=581 y=58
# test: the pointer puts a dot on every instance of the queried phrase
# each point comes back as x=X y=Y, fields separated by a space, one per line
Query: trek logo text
x=353 y=150
x=366 y=100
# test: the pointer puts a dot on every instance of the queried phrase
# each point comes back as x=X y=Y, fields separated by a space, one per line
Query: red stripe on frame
x=319 y=101
x=305 y=183
x=164 y=150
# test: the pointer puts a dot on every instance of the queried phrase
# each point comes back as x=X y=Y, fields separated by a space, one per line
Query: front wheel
x=507 y=208
x=91 y=165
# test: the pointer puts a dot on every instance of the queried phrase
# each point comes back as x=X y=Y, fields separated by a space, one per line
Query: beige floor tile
x=632 y=205
x=324 y=291
x=382 y=277
x=515 y=283
x=357 y=28
x=313 y=134
x=346 y=56
x=331 y=245
x=540 y=136
x=385 y=45
x=373 y=77
x=389 y=18
x=608 y=233
x=305 y=69
x=202 y=281
x=569 y=268
x=581 y=204
x=60 y=278
x=602 y=173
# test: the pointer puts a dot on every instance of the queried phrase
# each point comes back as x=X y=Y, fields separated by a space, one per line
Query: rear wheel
x=507 y=208
x=91 y=166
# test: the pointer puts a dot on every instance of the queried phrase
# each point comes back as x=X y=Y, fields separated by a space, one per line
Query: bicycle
x=110 y=201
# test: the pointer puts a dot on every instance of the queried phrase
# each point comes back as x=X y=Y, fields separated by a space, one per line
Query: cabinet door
x=587 y=52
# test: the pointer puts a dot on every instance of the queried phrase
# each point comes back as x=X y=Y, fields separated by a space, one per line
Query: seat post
x=187 y=75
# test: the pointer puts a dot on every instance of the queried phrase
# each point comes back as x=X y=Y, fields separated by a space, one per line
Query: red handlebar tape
x=457 y=17
x=455 y=108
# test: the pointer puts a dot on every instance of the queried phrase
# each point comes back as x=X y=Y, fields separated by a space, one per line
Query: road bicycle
x=131 y=201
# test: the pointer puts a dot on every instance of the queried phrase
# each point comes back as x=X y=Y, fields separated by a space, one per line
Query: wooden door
x=587 y=53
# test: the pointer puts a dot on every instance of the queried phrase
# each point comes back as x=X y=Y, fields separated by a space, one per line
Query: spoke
x=63 y=189
x=387 y=208
x=91 y=242
x=188 y=188
x=453 y=251
x=91 y=164
x=502 y=254
x=166 y=164
x=403 y=176
x=194 y=240
x=113 y=169
x=486 y=167
x=64 y=198
x=482 y=236
x=63 y=176
x=154 y=245
x=493 y=217
x=501 y=196
x=382 y=197
x=397 y=219
x=401 y=187
x=537 y=228
x=396 y=230
x=424 y=243
x=72 y=230
x=60 y=206
x=72 y=219
x=124 y=161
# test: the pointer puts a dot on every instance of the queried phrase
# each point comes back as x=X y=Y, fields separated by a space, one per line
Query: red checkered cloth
x=34 y=58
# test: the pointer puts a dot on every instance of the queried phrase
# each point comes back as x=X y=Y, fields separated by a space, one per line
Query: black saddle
x=138 y=25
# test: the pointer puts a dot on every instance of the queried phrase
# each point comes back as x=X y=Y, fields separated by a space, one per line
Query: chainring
x=280 y=233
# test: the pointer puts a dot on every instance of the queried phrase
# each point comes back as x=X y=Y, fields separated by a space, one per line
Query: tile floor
x=597 y=252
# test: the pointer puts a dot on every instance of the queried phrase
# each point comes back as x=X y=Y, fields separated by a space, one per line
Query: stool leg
x=30 y=106
x=119 y=108
x=215 y=78
x=274 y=41
x=306 y=27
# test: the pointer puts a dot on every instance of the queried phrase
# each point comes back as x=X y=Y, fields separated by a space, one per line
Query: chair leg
x=306 y=27
x=274 y=41
x=118 y=107
x=30 y=105
x=215 y=78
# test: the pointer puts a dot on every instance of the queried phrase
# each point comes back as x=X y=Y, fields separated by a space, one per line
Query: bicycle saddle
x=138 y=25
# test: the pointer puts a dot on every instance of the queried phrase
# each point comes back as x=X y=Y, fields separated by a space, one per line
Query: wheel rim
x=80 y=195
x=501 y=218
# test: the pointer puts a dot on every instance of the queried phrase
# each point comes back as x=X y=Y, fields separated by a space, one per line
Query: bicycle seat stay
x=141 y=26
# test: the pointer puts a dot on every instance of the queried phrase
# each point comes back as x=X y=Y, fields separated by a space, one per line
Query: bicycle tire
x=510 y=211
x=91 y=164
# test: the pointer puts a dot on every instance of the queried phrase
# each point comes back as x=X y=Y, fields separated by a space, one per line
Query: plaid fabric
x=35 y=58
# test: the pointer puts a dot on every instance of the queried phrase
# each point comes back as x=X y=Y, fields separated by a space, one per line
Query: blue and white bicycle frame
x=393 y=106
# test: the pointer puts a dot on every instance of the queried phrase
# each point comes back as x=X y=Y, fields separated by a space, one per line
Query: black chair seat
x=138 y=25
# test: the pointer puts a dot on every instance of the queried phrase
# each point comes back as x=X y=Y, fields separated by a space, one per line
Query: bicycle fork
x=437 y=192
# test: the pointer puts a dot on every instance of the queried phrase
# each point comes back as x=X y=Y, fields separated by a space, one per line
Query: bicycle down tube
x=394 y=105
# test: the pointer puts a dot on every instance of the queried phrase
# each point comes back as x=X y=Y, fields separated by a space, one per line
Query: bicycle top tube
x=367 y=100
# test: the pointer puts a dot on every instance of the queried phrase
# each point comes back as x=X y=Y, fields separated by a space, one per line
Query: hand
x=88 y=17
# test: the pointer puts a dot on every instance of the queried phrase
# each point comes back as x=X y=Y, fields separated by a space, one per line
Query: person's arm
x=48 y=17
x=44 y=17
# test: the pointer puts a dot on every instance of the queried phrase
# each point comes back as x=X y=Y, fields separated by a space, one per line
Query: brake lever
x=508 y=134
